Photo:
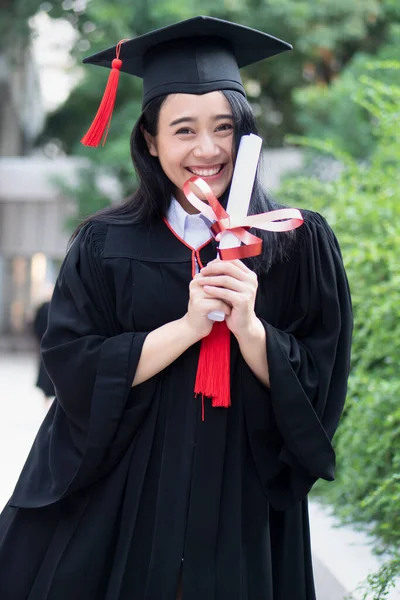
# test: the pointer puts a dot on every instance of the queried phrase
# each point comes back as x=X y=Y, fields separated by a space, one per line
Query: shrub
x=362 y=205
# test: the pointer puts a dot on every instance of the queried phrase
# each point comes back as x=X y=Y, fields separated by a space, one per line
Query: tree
x=325 y=35
x=14 y=20
x=330 y=111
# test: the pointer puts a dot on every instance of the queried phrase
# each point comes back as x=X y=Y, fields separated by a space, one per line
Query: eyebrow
x=193 y=119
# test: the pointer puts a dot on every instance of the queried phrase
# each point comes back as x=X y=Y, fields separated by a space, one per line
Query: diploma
x=240 y=193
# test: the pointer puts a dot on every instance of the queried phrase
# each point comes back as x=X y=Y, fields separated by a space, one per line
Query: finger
x=195 y=281
x=212 y=304
x=224 y=281
x=228 y=296
x=236 y=262
x=223 y=267
x=241 y=266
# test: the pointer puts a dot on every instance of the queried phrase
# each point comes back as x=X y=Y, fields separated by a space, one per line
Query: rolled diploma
x=240 y=193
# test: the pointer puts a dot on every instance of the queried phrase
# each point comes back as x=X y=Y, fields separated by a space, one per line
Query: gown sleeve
x=309 y=362
x=92 y=366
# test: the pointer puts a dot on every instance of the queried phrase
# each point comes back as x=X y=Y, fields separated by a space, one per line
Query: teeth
x=205 y=172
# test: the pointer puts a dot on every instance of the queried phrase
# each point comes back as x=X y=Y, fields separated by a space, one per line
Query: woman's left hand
x=235 y=284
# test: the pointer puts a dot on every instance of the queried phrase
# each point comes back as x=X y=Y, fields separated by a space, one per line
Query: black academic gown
x=43 y=381
x=122 y=483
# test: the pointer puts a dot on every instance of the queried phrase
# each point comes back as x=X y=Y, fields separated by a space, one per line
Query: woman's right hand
x=200 y=305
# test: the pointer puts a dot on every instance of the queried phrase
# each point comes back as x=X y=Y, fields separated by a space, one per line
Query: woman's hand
x=200 y=305
x=235 y=285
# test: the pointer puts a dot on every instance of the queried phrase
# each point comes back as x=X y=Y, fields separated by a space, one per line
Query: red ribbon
x=284 y=219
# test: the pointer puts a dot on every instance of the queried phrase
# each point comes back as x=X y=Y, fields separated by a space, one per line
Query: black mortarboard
x=195 y=56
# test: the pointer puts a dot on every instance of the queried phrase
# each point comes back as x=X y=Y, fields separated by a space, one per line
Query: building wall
x=21 y=120
x=30 y=227
x=33 y=243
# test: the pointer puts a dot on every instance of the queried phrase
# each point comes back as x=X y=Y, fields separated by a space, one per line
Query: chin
x=219 y=190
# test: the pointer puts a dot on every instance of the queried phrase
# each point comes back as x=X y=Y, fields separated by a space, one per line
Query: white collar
x=191 y=228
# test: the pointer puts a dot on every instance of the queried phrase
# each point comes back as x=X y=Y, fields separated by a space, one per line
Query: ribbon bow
x=284 y=219
x=213 y=369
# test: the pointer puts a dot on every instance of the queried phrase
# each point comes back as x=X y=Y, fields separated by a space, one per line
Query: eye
x=183 y=131
x=225 y=127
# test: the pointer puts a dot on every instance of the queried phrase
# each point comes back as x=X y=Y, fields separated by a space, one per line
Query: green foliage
x=325 y=36
x=363 y=208
x=330 y=111
x=379 y=584
x=14 y=16
x=87 y=194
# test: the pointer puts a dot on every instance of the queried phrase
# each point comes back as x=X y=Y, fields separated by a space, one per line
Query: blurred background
x=329 y=113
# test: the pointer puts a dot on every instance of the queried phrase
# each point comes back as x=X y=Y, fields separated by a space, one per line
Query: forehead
x=195 y=106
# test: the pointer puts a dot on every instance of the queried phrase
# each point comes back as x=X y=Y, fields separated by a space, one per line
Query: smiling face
x=195 y=137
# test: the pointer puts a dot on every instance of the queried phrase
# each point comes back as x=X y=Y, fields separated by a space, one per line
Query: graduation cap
x=196 y=56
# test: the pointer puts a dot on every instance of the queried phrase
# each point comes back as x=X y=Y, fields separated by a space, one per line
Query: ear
x=150 y=141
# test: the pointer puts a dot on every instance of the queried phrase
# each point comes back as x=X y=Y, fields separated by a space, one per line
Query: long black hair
x=150 y=202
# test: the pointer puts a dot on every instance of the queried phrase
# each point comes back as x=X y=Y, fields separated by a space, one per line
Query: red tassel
x=213 y=369
x=102 y=121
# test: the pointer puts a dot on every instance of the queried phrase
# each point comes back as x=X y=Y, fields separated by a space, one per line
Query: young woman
x=128 y=493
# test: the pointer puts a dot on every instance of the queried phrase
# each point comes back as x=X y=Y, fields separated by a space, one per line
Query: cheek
x=171 y=157
x=230 y=150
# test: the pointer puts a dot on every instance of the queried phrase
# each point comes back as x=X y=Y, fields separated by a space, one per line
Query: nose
x=206 y=147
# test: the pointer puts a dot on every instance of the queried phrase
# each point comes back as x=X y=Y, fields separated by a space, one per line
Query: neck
x=184 y=202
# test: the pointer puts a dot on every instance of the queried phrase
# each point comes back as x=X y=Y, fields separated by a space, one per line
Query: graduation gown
x=123 y=483
x=43 y=381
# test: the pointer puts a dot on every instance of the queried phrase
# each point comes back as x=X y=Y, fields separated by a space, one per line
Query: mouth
x=207 y=172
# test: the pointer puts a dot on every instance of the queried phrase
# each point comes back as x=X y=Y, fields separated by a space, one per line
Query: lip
x=211 y=177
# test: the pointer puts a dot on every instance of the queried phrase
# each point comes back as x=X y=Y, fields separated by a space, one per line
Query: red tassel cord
x=102 y=121
x=213 y=378
x=213 y=369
